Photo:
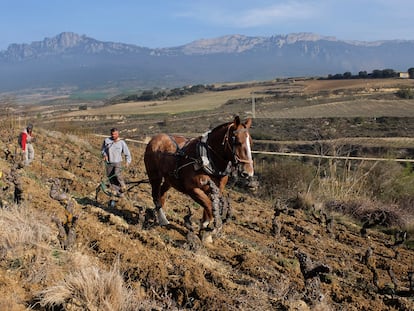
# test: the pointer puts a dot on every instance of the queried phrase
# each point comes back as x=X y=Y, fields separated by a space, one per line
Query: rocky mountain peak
x=307 y=36
x=293 y=38
x=224 y=44
x=62 y=41
x=48 y=46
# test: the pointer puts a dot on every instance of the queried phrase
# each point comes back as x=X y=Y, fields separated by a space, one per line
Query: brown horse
x=199 y=166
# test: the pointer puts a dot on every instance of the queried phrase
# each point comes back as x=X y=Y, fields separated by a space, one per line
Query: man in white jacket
x=112 y=150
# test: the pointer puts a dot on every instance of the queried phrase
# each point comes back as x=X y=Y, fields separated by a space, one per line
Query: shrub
x=283 y=178
x=386 y=215
x=391 y=182
x=405 y=93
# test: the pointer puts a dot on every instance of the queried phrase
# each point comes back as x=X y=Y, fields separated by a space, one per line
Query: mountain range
x=78 y=61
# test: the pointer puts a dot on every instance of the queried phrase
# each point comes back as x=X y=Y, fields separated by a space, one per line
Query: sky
x=171 y=23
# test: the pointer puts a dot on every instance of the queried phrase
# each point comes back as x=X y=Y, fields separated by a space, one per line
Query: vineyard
x=320 y=233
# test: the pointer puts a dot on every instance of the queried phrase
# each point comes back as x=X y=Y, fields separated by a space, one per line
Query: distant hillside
x=78 y=61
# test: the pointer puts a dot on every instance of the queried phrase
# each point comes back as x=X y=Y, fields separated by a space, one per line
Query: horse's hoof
x=206 y=237
x=162 y=220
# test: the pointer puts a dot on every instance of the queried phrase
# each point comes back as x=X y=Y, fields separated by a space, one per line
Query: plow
x=105 y=187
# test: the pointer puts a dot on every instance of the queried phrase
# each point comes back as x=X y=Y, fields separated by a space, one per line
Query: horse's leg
x=202 y=198
x=158 y=197
x=162 y=219
x=155 y=190
x=215 y=196
x=224 y=203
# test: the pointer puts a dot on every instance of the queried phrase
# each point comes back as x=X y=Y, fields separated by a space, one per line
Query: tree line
x=375 y=74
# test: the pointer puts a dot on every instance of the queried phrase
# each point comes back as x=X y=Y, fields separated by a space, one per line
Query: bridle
x=231 y=145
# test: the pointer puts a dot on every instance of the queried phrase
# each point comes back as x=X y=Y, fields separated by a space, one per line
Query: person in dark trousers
x=113 y=148
x=26 y=139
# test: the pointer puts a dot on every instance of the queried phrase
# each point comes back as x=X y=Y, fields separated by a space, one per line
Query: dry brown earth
x=252 y=265
x=247 y=267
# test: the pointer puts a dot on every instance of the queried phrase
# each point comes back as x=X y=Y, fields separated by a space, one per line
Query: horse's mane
x=227 y=124
x=218 y=127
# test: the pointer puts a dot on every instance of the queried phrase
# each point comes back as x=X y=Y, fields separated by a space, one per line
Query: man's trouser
x=28 y=154
x=113 y=171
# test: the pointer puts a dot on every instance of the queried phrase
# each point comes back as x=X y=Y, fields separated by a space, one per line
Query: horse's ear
x=237 y=121
x=248 y=122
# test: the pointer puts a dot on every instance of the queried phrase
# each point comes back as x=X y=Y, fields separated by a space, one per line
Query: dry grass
x=19 y=228
x=27 y=245
x=29 y=248
x=90 y=288
x=343 y=179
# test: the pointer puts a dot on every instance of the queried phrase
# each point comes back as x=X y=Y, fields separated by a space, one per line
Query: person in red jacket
x=26 y=139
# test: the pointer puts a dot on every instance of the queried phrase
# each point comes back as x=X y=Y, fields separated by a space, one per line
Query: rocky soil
x=278 y=255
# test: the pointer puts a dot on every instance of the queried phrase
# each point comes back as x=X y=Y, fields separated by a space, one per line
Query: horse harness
x=203 y=157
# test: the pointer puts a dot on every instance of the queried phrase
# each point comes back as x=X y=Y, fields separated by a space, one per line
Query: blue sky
x=169 y=23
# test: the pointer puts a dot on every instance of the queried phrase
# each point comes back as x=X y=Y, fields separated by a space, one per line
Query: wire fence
x=294 y=154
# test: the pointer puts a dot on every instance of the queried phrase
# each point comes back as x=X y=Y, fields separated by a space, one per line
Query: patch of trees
x=151 y=95
x=411 y=72
x=375 y=74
